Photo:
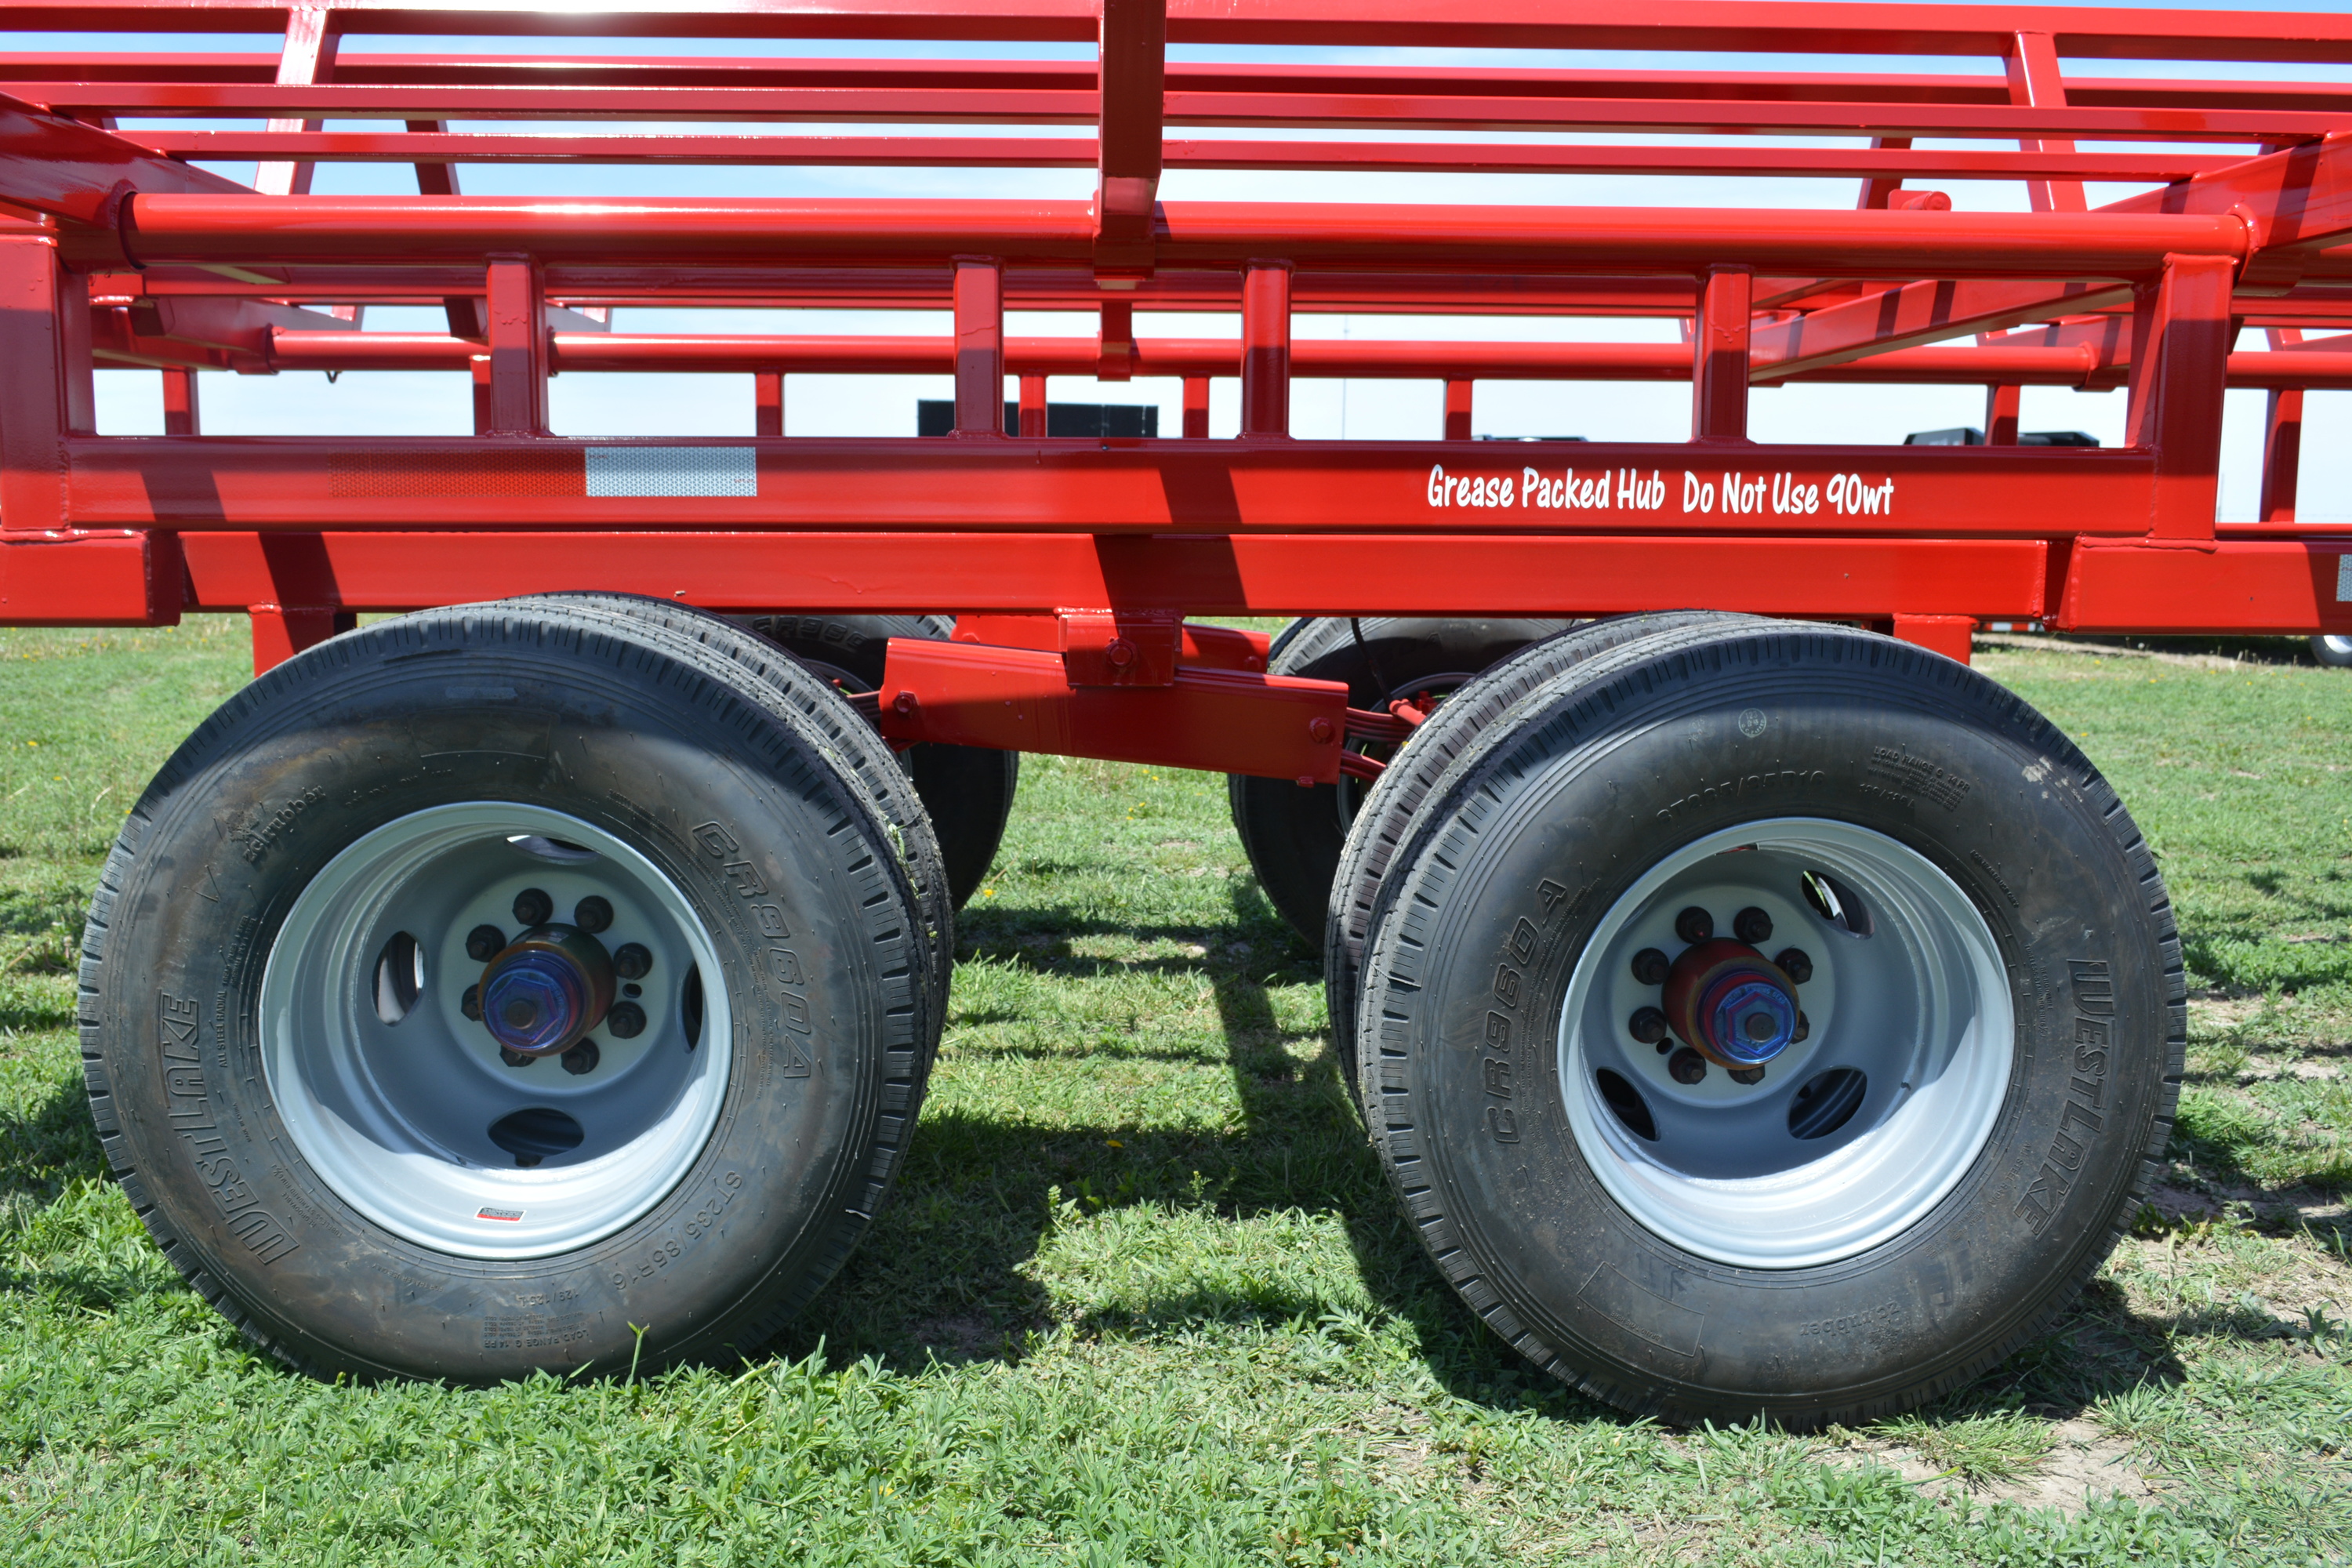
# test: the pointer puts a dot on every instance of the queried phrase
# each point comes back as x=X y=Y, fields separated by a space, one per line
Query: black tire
x=1526 y=846
x=1381 y=823
x=669 y=753
x=968 y=790
x=812 y=700
x=2335 y=651
x=1293 y=837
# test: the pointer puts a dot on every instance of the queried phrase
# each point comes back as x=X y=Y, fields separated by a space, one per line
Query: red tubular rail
x=393 y=231
x=2076 y=365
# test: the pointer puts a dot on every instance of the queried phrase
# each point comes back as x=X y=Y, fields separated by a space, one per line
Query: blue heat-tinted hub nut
x=1730 y=1004
x=1747 y=1019
x=545 y=992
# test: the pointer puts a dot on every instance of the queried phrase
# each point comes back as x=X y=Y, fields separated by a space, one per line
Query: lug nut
x=1695 y=925
x=1747 y=1075
x=1752 y=926
x=1687 y=1065
x=1647 y=1026
x=1651 y=966
x=470 y=1004
x=632 y=962
x=484 y=943
x=626 y=1021
x=533 y=908
x=582 y=1058
x=1804 y=1027
x=1796 y=963
x=593 y=914
x=515 y=1059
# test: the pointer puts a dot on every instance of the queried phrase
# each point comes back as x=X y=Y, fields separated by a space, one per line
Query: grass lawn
x=1143 y=1295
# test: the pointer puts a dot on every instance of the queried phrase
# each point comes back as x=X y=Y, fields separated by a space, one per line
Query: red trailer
x=1757 y=1010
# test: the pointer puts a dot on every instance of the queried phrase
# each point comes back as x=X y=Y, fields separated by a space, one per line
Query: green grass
x=1144 y=1295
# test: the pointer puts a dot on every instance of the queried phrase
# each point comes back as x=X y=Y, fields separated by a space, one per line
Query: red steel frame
x=1073 y=564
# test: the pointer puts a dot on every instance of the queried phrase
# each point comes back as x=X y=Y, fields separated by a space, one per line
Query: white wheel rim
x=1920 y=1007
x=395 y=1116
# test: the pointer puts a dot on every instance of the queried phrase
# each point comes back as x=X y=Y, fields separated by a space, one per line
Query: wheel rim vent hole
x=399 y=977
x=1836 y=903
x=535 y=1132
x=689 y=1007
x=1826 y=1101
x=1625 y=1102
x=555 y=849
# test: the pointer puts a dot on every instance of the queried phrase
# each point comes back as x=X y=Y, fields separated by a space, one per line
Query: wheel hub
x=1730 y=1004
x=541 y=995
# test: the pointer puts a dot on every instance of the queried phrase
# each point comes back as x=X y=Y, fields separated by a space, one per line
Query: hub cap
x=489 y=1097
x=1786 y=1111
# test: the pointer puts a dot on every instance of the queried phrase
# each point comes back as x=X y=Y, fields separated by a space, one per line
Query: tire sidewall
x=1562 y=820
x=741 y=837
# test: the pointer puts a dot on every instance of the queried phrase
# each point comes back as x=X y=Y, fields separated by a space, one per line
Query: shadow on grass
x=947 y=1274
x=47 y=1146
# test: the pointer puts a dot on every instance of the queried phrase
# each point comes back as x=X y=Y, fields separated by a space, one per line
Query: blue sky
x=660 y=404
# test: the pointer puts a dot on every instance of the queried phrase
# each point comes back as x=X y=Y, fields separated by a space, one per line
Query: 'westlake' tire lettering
x=2082 y=1116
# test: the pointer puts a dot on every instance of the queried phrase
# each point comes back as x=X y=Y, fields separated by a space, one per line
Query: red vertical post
x=517 y=356
x=1132 y=82
x=465 y=311
x=308 y=55
x=1719 y=355
x=2282 y=439
x=2034 y=81
x=1033 y=406
x=1876 y=190
x=2175 y=390
x=180 y=415
x=1115 y=342
x=979 y=346
x=1457 y=409
x=768 y=403
x=1196 y=407
x=1265 y=349
x=47 y=393
x=2282 y=453
x=2000 y=415
x=479 y=364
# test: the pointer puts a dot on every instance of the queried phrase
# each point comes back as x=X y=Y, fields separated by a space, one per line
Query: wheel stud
x=484 y=943
x=582 y=1058
x=593 y=914
x=626 y=1021
x=532 y=907
x=1651 y=966
x=1796 y=963
x=1752 y=926
x=470 y=1004
x=1687 y=1065
x=632 y=962
x=515 y=1059
x=1747 y=1075
x=1694 y=924
x=1647 y=1026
